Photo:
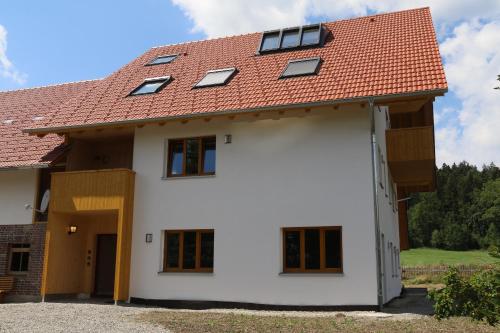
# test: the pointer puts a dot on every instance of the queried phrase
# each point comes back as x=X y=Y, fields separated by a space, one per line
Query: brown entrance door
x=105 y=265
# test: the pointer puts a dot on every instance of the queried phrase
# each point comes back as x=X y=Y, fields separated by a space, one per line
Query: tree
x=498 y=78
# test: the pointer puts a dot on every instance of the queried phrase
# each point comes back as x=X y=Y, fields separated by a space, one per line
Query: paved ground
x=83 y=316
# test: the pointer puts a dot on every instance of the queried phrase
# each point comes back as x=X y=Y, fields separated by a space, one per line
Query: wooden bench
x=6 y=285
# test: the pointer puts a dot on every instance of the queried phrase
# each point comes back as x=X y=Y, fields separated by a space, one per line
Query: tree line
x=464 y=212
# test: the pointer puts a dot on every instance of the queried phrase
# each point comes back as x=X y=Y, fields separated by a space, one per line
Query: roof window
x=164 y=59
x=216 y=77
x=151 y=86
x=301 y=67
x=292 y=38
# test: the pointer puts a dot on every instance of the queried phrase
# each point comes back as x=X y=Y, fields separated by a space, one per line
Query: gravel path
x=87 y=317
x=72 y=317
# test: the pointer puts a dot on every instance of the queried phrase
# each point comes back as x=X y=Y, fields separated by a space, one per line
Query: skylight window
x=311 y=35
x=270 y=41
x=301 y=67
x=292 y=38
x=151 y=86
x=165 y=59
x=217 y=77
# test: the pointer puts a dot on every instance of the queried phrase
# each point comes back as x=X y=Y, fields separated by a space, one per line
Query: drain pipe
x=380 y=297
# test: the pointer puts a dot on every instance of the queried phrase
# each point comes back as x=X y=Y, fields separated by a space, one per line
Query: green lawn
x=426 y=256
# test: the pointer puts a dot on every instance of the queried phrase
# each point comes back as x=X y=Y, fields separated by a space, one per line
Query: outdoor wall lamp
x=72 y=229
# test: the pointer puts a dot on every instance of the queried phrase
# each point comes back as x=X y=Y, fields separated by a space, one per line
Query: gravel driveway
x=72 y=317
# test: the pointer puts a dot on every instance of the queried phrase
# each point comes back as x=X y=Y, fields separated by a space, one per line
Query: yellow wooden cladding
x=411 y=157
x=96 y=201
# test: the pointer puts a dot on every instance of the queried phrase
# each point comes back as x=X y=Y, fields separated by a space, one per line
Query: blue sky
x=55 y=41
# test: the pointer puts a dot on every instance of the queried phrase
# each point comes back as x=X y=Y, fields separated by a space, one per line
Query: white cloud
x=469 y=31
x=472 y=61
x=7 y=69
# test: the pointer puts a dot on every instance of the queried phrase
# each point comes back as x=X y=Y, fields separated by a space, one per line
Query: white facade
x=387 y=211
x=292 y=172
x=17 y=188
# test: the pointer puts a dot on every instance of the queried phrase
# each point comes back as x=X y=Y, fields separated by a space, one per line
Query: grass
x=427 y=256
x=186 y=322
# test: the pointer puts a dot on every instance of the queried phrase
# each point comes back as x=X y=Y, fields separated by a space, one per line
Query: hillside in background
x=464 y=212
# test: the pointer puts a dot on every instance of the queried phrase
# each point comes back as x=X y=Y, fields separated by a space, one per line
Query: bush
x=494 y=251
x=477 y=297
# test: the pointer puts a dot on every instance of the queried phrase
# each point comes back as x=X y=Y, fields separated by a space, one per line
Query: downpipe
x=380 y=297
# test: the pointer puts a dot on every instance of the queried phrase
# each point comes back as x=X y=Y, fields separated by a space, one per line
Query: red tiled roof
x=19 y=109
x=387 y=54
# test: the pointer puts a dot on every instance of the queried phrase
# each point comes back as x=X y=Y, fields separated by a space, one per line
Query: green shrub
x=494 y=251
x=477 y=297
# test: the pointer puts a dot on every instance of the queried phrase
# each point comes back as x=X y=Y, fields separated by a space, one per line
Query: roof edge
x=132 y=122
x=50 y=85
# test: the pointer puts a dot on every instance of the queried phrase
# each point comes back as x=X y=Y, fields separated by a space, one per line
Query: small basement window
x=216 y=77
x=18 y=258
x=188 y=251
x=165 y=59
x=191 y=157
x=151 y=86
x=301 y=67
x=312 y=249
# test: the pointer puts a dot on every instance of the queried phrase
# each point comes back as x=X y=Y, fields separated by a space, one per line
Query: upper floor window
x=191 y=157
x=312 y=249
x=18 y=258
x=291 y=38
x=301 y=67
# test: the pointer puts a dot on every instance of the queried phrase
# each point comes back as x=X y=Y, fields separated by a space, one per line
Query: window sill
x=187 y=177
x=311 y=274
x=184 y=273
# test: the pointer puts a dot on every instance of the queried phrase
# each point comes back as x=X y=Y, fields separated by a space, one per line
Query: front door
x=105 y=265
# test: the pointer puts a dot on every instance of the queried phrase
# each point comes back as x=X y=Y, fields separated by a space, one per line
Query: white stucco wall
x=388 y=216
x=309 y=171
x=17 y=188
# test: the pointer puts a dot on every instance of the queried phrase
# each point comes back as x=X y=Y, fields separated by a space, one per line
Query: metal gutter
x=380 y=98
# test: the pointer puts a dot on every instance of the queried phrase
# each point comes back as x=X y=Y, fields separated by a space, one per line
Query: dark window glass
x=192 y=147
x=301 y=67
x=172 y=250
x=208 y=151
x=312 y=247
x=19 y=258
x=163 y=60
x=177 y=158
x=189 y=251
x=292 y=249
x=310 y=36
x=150 y=86
x=270 y=41
x=290 y=38
x=333 y=249
x=207 y=250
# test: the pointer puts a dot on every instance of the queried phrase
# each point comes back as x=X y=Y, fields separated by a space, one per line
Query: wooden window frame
x=14 y=248
x=201 y=158
x=197 y=268
x=303 y=269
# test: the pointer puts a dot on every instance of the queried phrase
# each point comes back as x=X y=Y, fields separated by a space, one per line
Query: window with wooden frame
x=188 y=251
x=191 y=157
x=19 y=258
x=312 y=249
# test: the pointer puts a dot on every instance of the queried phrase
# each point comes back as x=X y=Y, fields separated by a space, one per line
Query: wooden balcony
x=411 y=158
x=91 y=190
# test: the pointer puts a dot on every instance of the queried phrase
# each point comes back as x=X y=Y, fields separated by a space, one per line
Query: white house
x=261 y=170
